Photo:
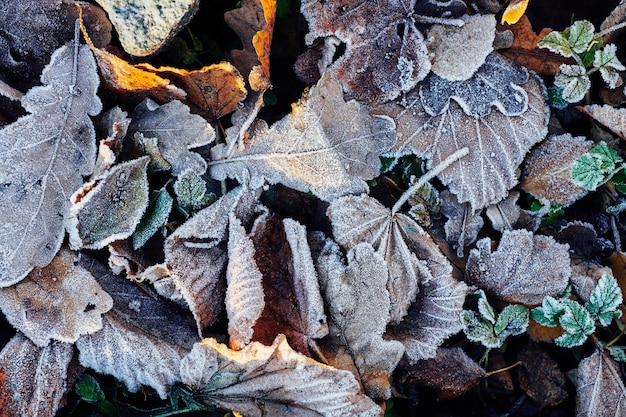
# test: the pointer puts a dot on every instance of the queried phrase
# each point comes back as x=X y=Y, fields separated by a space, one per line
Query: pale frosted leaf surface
x=463 y=223
x=109 y=208
x=176 y=130
x=33 y=380
x=497 y=143
x=43 y=157
x=145 y=26
x=524 y=269
x=574 y=81
x=272 y=380
x=434 y=317
x=504 y=214
x=608 y=63
x=58 y=302
x=358 y=308
x=294 y=304
x=460 y=51
x=612 y=118
x=600 y=389
x=411 y=255
x=333 y=147
x=143 y=338
x=547 y=172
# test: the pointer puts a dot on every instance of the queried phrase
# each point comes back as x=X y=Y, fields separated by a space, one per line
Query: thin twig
x=497 y=371
x=618 y=240
x=610 y=29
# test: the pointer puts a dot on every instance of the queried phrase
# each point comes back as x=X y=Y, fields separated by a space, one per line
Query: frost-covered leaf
x=43 y=157
x=512 y=320
x=191 y=192
x=504 y=214
x=33 y=380
x=495 y=83
x=497 y=143
x=358 y=312
x=479 y=330
x=612 y=118
x=485 y=309
x=605 y=300
x=176 y=130
x=547 y=172
x=573 y=40
x=557 y=43
x=271 y=380
x=540 y=376
x=595 y=167
x=618 y=353
x=459 y=51
x=159 y=207
x=577 y=323
x=524 y=269
x=607 y=62
x=463 y=223
x=549 y=312
x=600 y=389
x=58 y=302
x=334 y=147
x=574 y=81
x=143 y=339
x=411 y=255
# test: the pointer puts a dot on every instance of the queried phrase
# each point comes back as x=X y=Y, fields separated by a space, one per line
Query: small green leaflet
x=596 y=167
x=608 y=64
x=155 y=216
x=618 y=353
x=577 y=323
x=604 y=301
x=191 y=193
x=549 y=312
x=512 y=320
x=88 y=389
x=574 y=81
x=573 y=40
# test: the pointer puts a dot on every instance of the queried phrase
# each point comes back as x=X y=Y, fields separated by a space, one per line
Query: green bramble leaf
x=512 y=320
x=191 y=193
x=156 y=215
x=594 y=168
x=608 y=64
x=569 y=340
x=579 y=35
x=485 y=309
x=549 y=312
x=604 y=301
x=478 y=330
x=557 y=43
x=574 y=81
x=618 y=353
x=577 y=323
x=88 y=389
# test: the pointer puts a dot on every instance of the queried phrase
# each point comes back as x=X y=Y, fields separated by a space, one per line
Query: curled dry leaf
x=110 y=207
x=43 y=157
x=614 y=119
x=617 y=16
x=410 y=253
x=524 y=269
x=33 y=380
x=547 y=172
x=358 y=308
x=58 y=302
x=504 y=214
x=333 y=147
x=114 y=123
x=271 y=380
x=600 y=389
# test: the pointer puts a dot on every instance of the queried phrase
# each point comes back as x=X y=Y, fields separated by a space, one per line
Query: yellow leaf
x=514 y=11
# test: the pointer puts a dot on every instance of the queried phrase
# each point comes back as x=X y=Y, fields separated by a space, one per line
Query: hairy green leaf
x=478 y=330
x=512 y=320
x=574 y=81
x=608 y=64
x=604 y=301
x=549 y=312
x=618 y=353
x=577 y=323
x=155 y=216
x=556 y=43
x=579 y=35
x=191 y=192
x=596 y=167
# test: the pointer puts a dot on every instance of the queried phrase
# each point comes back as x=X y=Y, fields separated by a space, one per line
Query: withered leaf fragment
x=271 y=380
x=600 y=389
x=325 y=146
x=43 y=157
x=614 y=119
x=58 y=302
x=358 y=308
x=524 y=269
x=33 y=380
x=463 y=223
x=541 y=377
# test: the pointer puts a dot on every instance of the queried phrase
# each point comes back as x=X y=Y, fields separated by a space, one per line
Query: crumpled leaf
x=497 y=143
x=524 y=269
x=33 y=380
x=271 y=380
x=600 y=390
x=574 y=81
x=410 y=253
x=334 y=147
x=110 y=207
x=58 y=302
x=144 y=27
x=506 y=214
x=43 y=157
x=463 y=223
x=177 y=131
x=114 y=123
x=612 y=118
x=358 y=310
x=547 y=172
x=143 y=339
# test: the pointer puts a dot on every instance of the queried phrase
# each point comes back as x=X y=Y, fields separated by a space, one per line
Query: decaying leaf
x=43 y=157
x=271 y=380
x=333 y=147
x=58 y=302
x=617 y=16
x=410 y=253
x=547 y=172
x=612 y=118
x=463 y=223
x=33 y=380
x=504 y=214
x=114 y=123
x=358 y=308
x=600 y=389
x=541 y=377
x=524 y=269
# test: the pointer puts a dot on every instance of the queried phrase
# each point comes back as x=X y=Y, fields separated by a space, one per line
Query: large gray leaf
x=43 y=157
x=600 y=390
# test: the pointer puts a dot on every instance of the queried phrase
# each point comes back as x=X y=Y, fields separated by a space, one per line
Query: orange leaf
x=514 y=11
x=262 y=40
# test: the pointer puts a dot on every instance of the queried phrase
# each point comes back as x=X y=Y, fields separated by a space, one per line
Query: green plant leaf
x=618 y=353
x=579 y=35
x=556 y=42
x=88 y=389
x=596 y=167
x=191 y=192
x=512 y=320
x=574 y=81
x=477 y=330
x=485 y=309
x=549 y=312
x=608 y=64
x=604 y=301
x=155 y=216
x=577 y=323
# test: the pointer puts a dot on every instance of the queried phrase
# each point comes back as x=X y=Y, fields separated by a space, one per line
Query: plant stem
x=610 y=29
x=497 y=371
x=615 y=339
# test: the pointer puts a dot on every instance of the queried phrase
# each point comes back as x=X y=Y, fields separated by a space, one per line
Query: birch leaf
x=334 y=147
x=43 y=157
x=58 y=302
x=358 y=308
x=600 y=390
x=410 y=253
x=33 y=380
x=271 y=380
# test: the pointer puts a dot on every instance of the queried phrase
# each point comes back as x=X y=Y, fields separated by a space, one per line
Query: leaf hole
x=400 y=30
x=340 y=50
x=89 y=307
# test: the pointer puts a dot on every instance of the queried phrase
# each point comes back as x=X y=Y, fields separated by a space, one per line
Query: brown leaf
x=540 y=376
x=58 y=302
x=612 y=118
x=617 y=16
x=547 y=171
x=463 y=223
x=33 y=380
x=617 y=262
x=600 y=389
x=580 y=236
x=524 y=269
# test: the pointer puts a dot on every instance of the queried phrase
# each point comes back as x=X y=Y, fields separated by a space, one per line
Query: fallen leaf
x=600 y=390
x=617 y=16
x=463 y=223
x=585 y=277
x=504 y=214
x=114 y=123
x=358 y=312
x=540 y=377
x=524 y=269
x=58 y=302
x=33 y=380
x=612 y=118
x=514 y=11
x=43 y=157
x=580 y=237
x=271 y=380
x=333 y=147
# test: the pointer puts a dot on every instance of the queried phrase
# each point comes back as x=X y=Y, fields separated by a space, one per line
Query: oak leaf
x=600 y=389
